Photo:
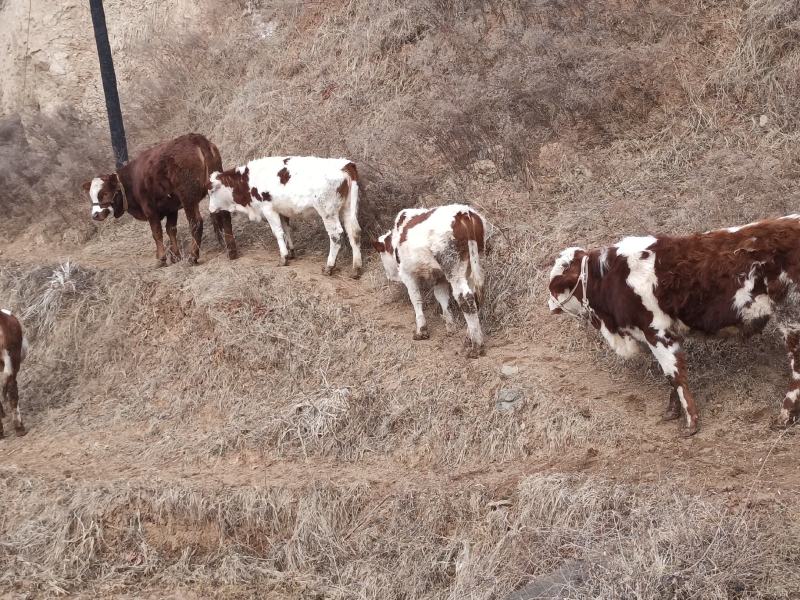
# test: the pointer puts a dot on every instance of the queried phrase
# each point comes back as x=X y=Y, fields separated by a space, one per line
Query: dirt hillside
x=240 y=429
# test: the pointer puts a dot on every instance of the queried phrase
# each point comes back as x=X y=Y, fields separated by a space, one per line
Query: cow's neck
x=125 y=178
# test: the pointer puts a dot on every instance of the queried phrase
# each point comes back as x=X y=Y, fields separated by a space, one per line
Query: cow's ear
x=379 y=246
x=86 y=186
x=113 y=179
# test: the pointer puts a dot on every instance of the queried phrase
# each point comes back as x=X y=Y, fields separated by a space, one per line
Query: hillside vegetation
x=238 y=428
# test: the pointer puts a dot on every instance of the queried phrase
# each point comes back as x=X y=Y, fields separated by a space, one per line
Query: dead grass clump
x=413 y=542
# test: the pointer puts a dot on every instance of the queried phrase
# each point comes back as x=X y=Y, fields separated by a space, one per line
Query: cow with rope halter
x=651 y=290
x=157 y=184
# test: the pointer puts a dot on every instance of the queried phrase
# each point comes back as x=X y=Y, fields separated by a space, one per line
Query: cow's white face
x=386 y=252
x=103 y=192
x=563 y=280
x=220 y=196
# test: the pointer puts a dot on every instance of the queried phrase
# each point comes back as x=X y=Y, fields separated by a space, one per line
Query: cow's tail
x=475 y=245
x=351 y=199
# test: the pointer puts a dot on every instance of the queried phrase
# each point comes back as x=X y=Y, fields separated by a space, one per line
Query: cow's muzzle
x=101 y=216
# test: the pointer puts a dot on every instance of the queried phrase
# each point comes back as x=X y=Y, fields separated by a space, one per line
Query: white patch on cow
x=665 y=355
x=793 y=394
x=603 y=262
x=682 y=398
x=642 y=277
x=94 y=194
x=624 y=345
x=563 y=261
x=390 y=265
x=6 y=311
x=746 y=305
x=8 y=368
x=792 y=216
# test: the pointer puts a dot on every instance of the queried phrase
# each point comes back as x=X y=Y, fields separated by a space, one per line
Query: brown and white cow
x=442 y=245
x=281 y=188
x=653 y=289
x=13 y=348
x=157 y=184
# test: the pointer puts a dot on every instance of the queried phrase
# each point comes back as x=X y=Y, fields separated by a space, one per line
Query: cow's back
x=700 y=275
x=179 y=167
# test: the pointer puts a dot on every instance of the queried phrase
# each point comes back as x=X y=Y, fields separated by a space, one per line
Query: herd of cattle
x=642 y=290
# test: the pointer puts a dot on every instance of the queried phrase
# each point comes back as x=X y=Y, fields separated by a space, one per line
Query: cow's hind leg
x=468 y=304
x=442 y=292
x=791 y=402
x=334 y=228
x=421 y=327
x=354 y=235
x=158 y=236
x=672 y=359
x=12 y=396
x=172 y=232
x=673 y=410
x=287 y=236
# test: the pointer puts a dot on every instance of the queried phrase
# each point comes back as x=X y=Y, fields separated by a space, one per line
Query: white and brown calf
x=13 y=348
x=278 y=189
x=441 y=245
x=652 y=289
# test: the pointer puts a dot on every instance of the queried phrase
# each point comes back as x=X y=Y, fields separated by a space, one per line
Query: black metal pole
x=109 y=83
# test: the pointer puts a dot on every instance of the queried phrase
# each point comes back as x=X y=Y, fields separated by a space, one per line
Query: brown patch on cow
x=286 y=161
x=266 y=197
x=413 y=222
x=401 y=218
x=239 y=183
x=352 y=172
x=284 y=175
x=343 y=189
x=467 y=226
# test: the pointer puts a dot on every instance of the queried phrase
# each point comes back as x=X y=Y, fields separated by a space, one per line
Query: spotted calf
x=442 y=245
x=278 y=189
x=650 y=290
x=13 y=348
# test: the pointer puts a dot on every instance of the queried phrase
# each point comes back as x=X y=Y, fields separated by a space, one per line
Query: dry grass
x=239 y=427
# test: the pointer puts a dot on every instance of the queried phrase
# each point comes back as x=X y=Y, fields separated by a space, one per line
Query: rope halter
x=583 y=280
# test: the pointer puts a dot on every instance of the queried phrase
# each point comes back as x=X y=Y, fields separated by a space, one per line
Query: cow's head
x=388 y=256
x=106 y=195
x=230 y=191
x=566 y=295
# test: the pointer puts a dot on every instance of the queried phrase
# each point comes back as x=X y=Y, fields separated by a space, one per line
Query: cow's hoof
x=161 y=262
x=233 y=254
x=192 y=260
x=291 y=253
x=282 y=262
x=326 y=270
x=422 y=334
x=20 y=430
x=690 y=430
x=475 y=352
x=355 y=273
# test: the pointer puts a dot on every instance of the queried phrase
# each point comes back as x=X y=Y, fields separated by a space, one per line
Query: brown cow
x=157 y=184
x=13 y=348
x=652 y=289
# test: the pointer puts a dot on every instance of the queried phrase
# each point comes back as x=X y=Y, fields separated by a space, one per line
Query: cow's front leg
x=172 y=233
x=421 y=329
x=196 y=225
x=158 y=236
x=274 y=220
x=672 y=359
x=791 y=402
